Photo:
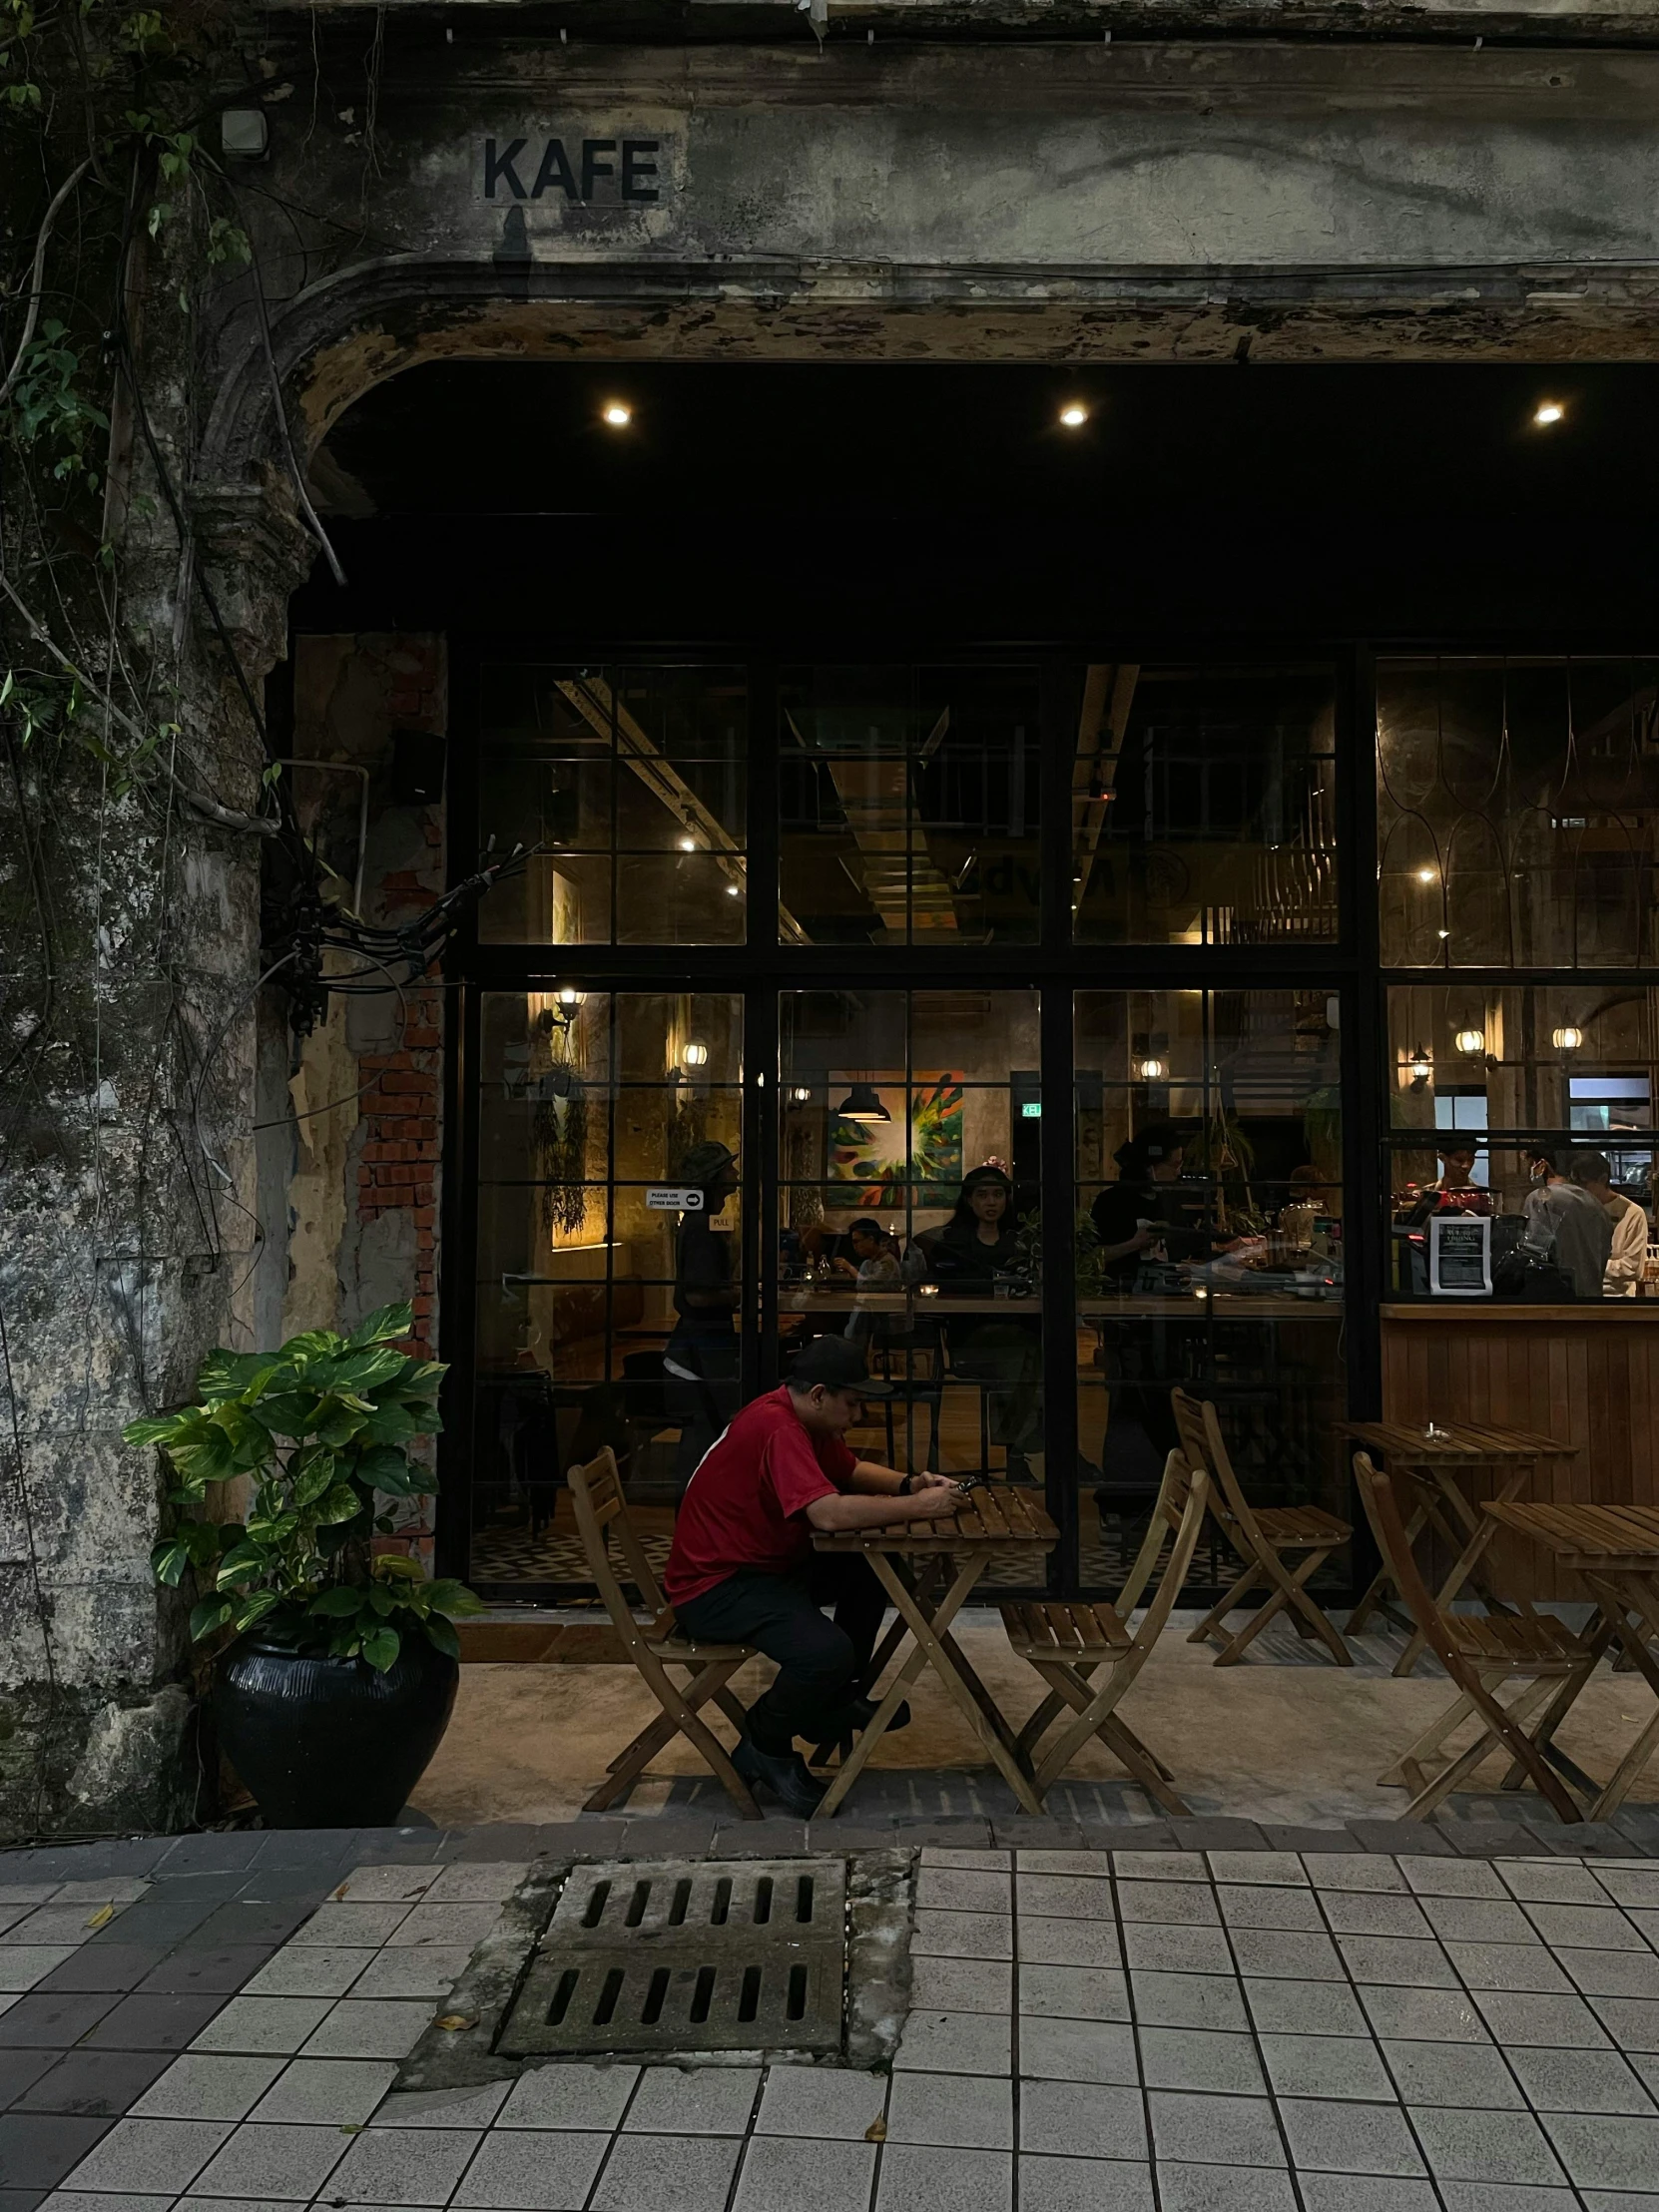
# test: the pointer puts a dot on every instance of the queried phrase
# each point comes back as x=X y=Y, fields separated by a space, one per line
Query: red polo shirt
x=745 y=1504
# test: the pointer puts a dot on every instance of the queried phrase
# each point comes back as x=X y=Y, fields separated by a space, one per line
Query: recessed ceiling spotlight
x=1074 y=415
x=617 y=413
x=1547 y=413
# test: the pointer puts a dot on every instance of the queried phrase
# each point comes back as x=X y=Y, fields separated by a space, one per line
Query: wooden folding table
x=1614 y=1551
x=1432 y=1460
x=995 y=1519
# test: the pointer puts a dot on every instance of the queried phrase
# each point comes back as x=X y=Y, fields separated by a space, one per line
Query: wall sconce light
x=1151 y=1071
x=1471 y=1042
x=1429 y=875
x=1419 y=1067
x=800 y=1095
x=696 y=1055
x=1567 y=1038
x=567 y=1004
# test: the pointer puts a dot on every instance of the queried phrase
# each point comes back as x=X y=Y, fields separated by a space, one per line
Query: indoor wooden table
x=993 y=1518
x=1433 y=1462
x=1614 y=1551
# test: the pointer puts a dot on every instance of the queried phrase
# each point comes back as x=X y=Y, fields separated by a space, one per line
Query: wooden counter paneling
x=1587 y=1377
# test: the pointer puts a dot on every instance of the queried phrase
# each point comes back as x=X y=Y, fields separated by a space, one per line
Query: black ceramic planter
x=330 y=1743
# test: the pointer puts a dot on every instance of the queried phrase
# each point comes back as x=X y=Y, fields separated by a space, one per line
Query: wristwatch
x=908 y=1485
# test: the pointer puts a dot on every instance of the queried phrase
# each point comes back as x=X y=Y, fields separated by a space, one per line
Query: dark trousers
x=820 y=1662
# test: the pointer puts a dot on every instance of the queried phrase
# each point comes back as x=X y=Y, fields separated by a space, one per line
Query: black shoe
x=784 y=1774
x=854 y=1713
x=860 y=1711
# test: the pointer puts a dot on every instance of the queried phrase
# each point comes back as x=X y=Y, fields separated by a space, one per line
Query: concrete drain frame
x=705 y=1961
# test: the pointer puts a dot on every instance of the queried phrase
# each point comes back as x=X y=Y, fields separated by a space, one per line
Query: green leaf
x=455 y=1598
x=337 y=1424
x=257 y=1607
x=391 y=1423
x=382 y=1648
x=211 y=1613
x=384 y=1324
x=169 y=1560
x=342 y=1504
x=287 y=1413
x=359 y=1371
x=311 y=1344
x=395 y=1568
x=244 y=1558
x=381 y=1600
x=157 y=1429
x=225 y=1375
x=439 y=1632
x=315 y=1478
x=338 y=1603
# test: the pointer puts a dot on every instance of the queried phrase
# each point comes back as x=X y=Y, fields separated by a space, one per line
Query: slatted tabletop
x=997 y=1516
x=1622 y=1536
x=1464 y=1441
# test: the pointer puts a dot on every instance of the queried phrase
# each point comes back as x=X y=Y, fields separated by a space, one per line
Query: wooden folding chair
x=653 y=1645
x=1264 y=1539
x=1089 y=1659
x=1480 y=1652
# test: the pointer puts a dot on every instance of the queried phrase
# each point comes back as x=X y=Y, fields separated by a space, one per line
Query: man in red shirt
x=742 y=1570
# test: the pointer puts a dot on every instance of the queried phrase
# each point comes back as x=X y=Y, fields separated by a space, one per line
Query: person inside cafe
x=1453 y=1190
x=978 y=1254
x=700 y=1360
x=1593 y=1171
x=1566 y=1225
x=1143 y=1209
x=741 y=1568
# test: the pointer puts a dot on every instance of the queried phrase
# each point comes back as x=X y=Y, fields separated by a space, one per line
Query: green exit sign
x=1031 y=1110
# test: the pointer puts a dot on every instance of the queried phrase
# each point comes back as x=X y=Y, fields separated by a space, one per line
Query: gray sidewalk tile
x=1402 y=1961
x=1632 y=2022
x=1169 y=1903
x=262 y=2025
x=1178 y=1950
x=1585 y=1927
x=962 y=1984
x=1326 y=2066
x=1079 y=2119
x=53 y=2023
x=476 y=1882
x=955 y=2042
x=476 y=2107
x=1631 y=1886
x=780 y=2174
x=38 y=2149
x=404 y=2165
x=388 y=1885
x=1282 y=1954
x=288 y=2164
x=1503 y=2196
x=1564 y=2024
x=1094 y=1862
x=821 y=2103
x=986 y=1862
x=1184 y=2188
x=1188 y=2000
x=97 y=2084
x=154 y=2024
x=960 y=2112
x=20 y=2070
x=426 y=1970
x=1257 y=1866
x=1366 y=2193
x=964 y=1889
x=1304 y=2009
x=1549 y=1881
x=84 y=2200
x=1344 y=2138
x=1507 y=2147
x=1206 y=2130
x=1380 y=1912
x=327 y=2092
x=192 y=1972
x=1066 y=1896
x=1579 y=2081
x=528 y=2172
x=1069 y=1943
x=150 y=2156
x=1509 y=1967
x=707 y=2100
x=915 y=2179
x=1344 y=1870
x=358 y=2028
x=1198 y=2058
x=578 y=2096
x=1603 y=2151
x=198 y=2086
x=962 y=1936
x=1160 y=1866
x=1076 y=2050
x=1270 y=1905
x=365 y=1925
x=103 y=1966
x=1479 y=1921
x=1425 y=2015
x=1083 y=2185
x=27 y=1963
x=1437 y=1877
x=307 y=1970
x=1075 y=1993
x=55 y=1923
x=449 y=1921
x=646 y=2172
x=1613 y=1974
x=242 y=1921
x=1470 y=2074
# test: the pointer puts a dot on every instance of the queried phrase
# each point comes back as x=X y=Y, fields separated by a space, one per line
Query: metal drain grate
x=749 y=1954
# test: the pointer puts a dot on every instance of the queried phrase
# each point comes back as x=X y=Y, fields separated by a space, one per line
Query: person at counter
x=700 y=1360
x=977 y=1246
x=1566 y=1225
x=1453 y=1190
x=1142 y=1209
x=1593 y=1171
x=741 y=1568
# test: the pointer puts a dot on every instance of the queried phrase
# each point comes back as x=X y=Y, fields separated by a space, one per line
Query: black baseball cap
x=839 y=1363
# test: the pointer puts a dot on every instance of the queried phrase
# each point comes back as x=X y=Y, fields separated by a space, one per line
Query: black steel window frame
x=762 y=968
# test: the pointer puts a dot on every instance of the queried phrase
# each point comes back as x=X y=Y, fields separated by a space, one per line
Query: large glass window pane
x=1530 y=1108
x=628 y=786
x=897 y=1108
x=1204 y=806
x=1209 y=1241
x=908 y=801
x=1517 y=806
x=607 y=1312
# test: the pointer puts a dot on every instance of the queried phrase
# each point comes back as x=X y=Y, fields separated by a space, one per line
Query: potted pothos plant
x=338 y=1669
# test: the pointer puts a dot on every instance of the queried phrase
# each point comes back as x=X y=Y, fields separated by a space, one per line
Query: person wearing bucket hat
x=700 y=1360
x=741 y=1568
